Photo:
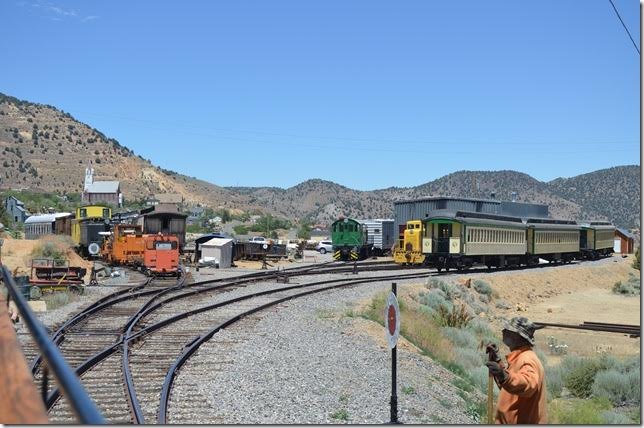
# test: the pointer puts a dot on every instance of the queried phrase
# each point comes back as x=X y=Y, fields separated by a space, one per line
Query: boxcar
x=380 y=235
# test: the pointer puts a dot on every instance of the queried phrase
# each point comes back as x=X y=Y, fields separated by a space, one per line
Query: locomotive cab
x=411 y=250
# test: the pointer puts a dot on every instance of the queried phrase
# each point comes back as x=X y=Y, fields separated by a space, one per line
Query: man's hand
x=497 y=371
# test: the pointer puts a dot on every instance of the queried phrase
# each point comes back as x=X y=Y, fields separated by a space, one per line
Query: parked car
x=324 y=246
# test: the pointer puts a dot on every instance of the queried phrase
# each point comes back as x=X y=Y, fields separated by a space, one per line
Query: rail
x=631 y=330
x=83 y=407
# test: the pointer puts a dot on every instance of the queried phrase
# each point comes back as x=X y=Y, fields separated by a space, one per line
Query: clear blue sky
x=368 y=94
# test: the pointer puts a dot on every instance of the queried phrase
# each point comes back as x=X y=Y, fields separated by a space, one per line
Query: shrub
x=580 y=380
x=469 y=358
x=457 y=317
x=461 y=338
x=636 y=262
x=434 y=299
x=584 y=412
x=502 y=304
x=629 y=288
x=554 y=381
x=482 y=287
x=610 y=417
x=56 y=299
x=48 y=250
x=450 y=290
x=619 y=388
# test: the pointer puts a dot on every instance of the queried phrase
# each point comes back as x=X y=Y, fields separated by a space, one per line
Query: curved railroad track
x=126 y=376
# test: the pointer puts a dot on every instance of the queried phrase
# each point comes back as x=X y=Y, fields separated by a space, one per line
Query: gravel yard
x=308 y=362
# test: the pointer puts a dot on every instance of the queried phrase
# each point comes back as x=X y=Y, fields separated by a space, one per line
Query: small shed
x=624 y=241
x=44 y=224
x=219 y=248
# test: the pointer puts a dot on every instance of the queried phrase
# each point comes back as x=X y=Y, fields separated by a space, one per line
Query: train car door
x=444 y=233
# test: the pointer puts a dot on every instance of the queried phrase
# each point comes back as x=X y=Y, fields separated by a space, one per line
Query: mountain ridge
x=46 y=149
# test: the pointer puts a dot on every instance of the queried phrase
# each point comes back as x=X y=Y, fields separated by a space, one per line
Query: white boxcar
x=380 y=233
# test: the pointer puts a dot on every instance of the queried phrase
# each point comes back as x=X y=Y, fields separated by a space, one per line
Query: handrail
x=84 y=408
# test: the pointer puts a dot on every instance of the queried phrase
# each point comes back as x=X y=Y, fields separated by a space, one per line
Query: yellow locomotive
x=86 y=227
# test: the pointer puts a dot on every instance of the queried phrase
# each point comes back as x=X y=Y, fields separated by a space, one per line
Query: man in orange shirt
x=522 y=399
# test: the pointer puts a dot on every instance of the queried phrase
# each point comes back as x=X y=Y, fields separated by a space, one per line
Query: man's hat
x=523 y=328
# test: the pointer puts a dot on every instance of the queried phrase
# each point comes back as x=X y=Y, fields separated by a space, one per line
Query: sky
x=368 y=94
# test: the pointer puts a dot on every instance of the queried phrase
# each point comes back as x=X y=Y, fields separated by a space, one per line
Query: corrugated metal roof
x=625 y=232
x=45 y=218
x=216 y=242
x=103 y=187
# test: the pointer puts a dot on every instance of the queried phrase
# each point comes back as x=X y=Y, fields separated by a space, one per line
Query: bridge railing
x=81 y=404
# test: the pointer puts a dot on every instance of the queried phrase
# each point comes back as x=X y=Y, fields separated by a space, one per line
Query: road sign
x=392 y=320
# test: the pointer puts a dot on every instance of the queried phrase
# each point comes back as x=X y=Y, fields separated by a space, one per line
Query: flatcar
x=349 y=238
x=124 y=246
x=161 y=255
x=86 y=228
x=597 y=239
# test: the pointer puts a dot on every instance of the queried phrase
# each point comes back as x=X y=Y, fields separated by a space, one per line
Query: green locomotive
x=349 y=239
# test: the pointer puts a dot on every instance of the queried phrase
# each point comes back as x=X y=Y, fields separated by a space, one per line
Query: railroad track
x=126 y=377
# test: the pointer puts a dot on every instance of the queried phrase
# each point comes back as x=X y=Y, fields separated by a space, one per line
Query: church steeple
x=89 y=175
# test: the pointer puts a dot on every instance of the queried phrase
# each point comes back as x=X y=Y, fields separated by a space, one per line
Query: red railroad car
x=161 y=256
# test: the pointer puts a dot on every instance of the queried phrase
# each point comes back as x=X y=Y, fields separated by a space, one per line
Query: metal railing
x=81 y=404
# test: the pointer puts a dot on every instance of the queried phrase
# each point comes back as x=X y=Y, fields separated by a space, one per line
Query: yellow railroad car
x=410 y=249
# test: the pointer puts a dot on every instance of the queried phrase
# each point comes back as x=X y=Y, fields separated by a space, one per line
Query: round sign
x=265 y=246
x=392 y=320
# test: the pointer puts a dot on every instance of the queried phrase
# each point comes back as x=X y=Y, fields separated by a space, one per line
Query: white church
x=101 y=191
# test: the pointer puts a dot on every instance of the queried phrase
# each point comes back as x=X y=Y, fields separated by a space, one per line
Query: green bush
x=48 y=250
x=580 y=380
x=578 y=412
x=482 y=287
x=619 y=388
x=554 y=381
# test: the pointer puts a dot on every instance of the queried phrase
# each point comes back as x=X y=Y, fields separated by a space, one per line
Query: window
x=376 y=231
x=106 y=213
x=83 y=212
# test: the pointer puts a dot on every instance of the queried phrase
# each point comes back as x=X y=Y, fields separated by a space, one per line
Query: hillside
x=614 y=193
x=45 y=149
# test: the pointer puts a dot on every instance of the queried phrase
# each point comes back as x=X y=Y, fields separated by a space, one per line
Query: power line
x=627 y=32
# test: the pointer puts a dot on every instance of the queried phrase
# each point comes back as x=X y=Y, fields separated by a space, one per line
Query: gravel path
x=308 y=362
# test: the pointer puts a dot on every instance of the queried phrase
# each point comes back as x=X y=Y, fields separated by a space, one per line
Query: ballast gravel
x=309 y=362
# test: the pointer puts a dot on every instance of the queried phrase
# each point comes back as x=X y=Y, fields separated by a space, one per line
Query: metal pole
x=80 y=402
x=394 y=397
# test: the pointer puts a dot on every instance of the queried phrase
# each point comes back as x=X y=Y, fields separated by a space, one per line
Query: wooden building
x=624 y=241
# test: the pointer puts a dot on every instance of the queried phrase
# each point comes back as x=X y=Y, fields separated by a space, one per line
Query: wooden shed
x=624 y=241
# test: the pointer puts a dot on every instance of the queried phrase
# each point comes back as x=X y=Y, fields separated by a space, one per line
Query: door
x=444 y=233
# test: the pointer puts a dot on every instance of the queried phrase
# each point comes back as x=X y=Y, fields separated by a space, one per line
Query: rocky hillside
x=44 y=148
x=614 y=193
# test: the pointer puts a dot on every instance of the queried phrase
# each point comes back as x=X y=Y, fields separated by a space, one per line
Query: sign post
x=392 y=329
